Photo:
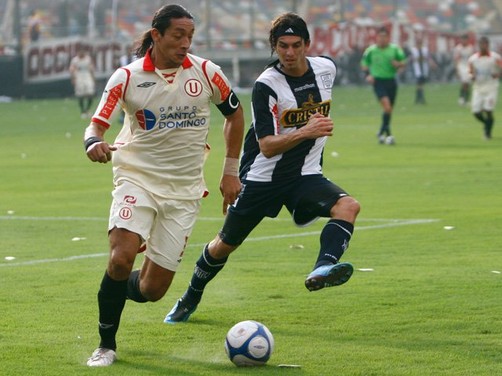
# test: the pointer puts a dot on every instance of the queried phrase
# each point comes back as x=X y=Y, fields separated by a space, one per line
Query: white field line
x=386 y=223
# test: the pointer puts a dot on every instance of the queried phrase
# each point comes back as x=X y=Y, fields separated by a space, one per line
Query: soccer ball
x=249 y=343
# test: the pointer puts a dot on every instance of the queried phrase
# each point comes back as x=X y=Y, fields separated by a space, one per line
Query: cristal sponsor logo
x=146 y=84
x=298 y=117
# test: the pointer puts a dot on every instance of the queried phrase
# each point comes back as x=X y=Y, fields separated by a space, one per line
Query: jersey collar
x=148 y=65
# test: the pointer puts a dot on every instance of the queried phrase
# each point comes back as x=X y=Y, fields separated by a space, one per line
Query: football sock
x=335 y=238
x=205 y=270
x=111 y=301
x=133 y=291
x=489 y=123
x=81 y=105
x=385 y=128
x=480 y=117
x=419 y=96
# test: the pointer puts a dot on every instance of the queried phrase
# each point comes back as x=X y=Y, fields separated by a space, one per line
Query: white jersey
x=461 y=55
x=280 y=105
x=82 y=70
x=162 y=142
x=485 y=69
x=420 y=61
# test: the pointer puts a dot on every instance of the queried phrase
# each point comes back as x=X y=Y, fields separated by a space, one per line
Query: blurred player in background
x=422 y=62
x=82 y=78
x=485 y=68
x=381 y=63
x=461 y=54
x=282 y=165
x=157 y=162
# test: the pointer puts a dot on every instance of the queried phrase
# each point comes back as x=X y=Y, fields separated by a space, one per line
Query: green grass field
x=430 y=306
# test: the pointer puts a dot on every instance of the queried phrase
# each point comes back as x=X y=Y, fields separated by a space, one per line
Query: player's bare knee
x=346 y=208
x=120 y=265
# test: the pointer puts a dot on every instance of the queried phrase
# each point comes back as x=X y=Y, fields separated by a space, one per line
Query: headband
x=291 y=30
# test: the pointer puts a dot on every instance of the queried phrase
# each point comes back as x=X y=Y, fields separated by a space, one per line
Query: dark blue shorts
x=385 y=88
x=306 y=198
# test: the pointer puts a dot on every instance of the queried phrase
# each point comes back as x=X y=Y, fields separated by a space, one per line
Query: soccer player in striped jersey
x=281 y=165
x=158 y=160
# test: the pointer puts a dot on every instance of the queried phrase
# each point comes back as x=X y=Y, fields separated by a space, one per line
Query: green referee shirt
x=379 y=60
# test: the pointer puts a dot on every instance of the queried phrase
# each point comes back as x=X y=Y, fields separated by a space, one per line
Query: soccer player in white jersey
x=485 y=68
x=282 y=165
x=82 y=78
x=461 y=54
x=157 y=162
x=421 y=62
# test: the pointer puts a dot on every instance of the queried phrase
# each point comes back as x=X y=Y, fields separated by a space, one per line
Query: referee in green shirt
x=381 y=63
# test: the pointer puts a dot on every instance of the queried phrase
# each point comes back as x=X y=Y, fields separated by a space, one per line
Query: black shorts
x=421 y=80
x=385 y=87
x=306 y=198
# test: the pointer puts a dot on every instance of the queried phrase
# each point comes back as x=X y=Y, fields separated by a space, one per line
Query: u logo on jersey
x=193 y=87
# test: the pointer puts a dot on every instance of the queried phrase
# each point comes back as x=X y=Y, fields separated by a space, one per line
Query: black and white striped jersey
x=281 y=104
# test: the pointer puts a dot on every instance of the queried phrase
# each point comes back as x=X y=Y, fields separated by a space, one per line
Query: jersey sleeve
x=223 y=96
x=264 y=110
x=112 y=99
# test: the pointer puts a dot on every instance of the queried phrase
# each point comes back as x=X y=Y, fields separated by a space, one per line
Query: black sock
x=133 y=291
x=489 y=124
x=205 y=270
x=385 y=128
x=335 y=238
x=89 y=104
x=111 y=301
x=480 y=117
x=81 y=105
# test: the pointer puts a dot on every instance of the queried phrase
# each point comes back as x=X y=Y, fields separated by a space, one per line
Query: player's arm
x=233 y=132
x=498 y=64
x=472 y=71
x=365 y=66
x=317 y=126
x=400 y=59
x=96 y=148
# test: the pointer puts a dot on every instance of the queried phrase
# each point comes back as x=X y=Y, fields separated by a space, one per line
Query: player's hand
x=230 y=187
x=100 y=152
x=370 y=79
x=318 y=126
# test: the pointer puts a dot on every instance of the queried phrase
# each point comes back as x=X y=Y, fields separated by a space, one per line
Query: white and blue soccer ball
x=249 y=343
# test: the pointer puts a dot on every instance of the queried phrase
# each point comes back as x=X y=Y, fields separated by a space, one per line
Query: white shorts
x=485 y=99
x=463 y=74
x=164 y=224
x=84 y=87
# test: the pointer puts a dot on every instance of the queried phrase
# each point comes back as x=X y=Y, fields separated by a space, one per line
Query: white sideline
x=386 y=223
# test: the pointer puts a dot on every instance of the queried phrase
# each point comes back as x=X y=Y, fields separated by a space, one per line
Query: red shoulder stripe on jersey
x=207 y=77
x=128 y=72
